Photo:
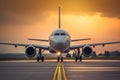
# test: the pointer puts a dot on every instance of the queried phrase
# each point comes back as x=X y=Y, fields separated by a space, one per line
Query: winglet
x=59 y=20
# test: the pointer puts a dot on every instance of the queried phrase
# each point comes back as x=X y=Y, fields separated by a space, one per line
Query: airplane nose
x=60 y=45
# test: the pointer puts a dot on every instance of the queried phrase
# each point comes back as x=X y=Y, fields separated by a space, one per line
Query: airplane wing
x=38 y=40
x=25 y=45
x=80 y=39
x=94 y=44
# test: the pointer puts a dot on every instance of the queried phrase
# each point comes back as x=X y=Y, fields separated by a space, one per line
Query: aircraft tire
x=58 y=59
x=76 y=58
x=38 y=58
x=80 y=58
x=61 y=59
x=42 y=58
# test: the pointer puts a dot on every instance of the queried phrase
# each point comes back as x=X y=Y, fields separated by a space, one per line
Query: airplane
x=59 y=42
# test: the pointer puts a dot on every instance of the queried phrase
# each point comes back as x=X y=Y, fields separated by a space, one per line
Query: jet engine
x=87 y=51
x=30 y=51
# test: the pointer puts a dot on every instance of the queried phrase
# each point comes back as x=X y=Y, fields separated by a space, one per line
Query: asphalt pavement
x=68 y=70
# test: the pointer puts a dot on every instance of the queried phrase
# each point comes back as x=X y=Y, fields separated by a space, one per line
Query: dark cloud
x=9 y=19
x=108 y=8
x=19 y=12
x=19 y=19
x=11 y=11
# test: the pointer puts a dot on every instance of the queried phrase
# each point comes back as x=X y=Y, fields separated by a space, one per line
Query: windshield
x=60 y=34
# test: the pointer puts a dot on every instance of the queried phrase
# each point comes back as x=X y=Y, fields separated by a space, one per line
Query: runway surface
x=86 y=70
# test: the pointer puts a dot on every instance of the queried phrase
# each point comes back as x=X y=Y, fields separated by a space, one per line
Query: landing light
x=58 y=53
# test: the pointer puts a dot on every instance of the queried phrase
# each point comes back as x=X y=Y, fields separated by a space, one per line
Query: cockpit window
x=59 y=34
x=56 y=34
x=62 y=34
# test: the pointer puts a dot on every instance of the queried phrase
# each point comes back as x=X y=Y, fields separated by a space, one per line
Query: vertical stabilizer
x=59 y=20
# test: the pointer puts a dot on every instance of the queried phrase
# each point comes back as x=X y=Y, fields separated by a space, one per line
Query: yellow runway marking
x=56 y=71
x=59 y=73
x=64 y=74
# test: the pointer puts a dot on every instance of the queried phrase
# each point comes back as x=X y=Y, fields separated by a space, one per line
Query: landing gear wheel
x=80 y=58
x=38 y=58
x=76 y=58
x=61 y=59
x=42 y=58
x=58 y=59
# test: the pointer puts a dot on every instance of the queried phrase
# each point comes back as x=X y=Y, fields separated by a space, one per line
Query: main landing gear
x=78 y=56
x=40 y=57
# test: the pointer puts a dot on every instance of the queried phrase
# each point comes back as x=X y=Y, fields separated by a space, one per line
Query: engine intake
x=30 y=51
x=87 y=51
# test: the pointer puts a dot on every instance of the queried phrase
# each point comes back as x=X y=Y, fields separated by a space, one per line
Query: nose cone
x=60 y=45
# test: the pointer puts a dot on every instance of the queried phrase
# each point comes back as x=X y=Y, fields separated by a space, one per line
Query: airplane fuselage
x=59 y=41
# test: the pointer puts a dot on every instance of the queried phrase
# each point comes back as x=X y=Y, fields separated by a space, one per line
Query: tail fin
x=59 y=19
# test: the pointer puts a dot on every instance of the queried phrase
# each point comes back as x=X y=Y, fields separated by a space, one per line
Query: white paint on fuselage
x=59 y=40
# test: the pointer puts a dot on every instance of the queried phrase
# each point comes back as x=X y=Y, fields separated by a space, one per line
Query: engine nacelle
x=30 y=51
x=87 y=51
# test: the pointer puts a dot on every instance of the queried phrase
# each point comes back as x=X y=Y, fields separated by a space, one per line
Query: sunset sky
x=95 y=19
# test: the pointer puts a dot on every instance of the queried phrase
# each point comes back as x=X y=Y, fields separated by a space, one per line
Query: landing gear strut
x=40 y=57
x=78 y=57
x=59 y=57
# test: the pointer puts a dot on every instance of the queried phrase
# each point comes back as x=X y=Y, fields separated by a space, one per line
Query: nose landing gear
x=59 y=58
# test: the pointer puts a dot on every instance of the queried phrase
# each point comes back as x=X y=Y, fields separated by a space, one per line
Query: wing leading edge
x=38 y=40
x=80 y=39
x=93 y=44
x=25 y=45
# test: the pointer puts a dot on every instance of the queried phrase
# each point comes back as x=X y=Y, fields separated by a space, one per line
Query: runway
x=104 y=70
x=86 y=70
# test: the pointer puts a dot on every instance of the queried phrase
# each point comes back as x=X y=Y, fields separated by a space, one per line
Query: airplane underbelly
x=60 y=47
